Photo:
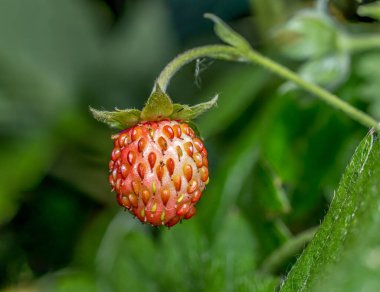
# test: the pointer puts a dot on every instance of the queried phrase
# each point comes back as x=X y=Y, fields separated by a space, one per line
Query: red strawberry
x=158 y=166
x=159 y=171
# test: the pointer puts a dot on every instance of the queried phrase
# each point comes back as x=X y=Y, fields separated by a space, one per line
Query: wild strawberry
x=159 y=171
x=158 y=165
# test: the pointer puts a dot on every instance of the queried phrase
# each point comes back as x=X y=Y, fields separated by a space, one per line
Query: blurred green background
x=276 y=153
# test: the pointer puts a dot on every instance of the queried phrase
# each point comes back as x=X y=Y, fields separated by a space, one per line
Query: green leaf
x=159 y=106
x=183 y=257
x=262 y=206
x=126 y=256
x=234 y=258
x=271 y=197
x=370 y=10
x=121 y=119
x=227 y=34
x=349 y=228
x=186 y=113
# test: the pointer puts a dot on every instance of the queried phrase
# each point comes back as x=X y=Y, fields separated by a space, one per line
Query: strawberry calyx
x=159 y=106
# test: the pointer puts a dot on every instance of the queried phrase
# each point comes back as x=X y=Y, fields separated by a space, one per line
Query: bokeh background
x=276 y=153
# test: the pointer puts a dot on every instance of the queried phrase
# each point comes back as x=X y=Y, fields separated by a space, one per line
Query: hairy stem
x=316 y=90
x=212 y=51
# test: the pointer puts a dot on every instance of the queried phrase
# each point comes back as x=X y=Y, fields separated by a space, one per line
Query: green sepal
x=120 y=119
x=187 y=113
x=227 y=34
x=158 y=107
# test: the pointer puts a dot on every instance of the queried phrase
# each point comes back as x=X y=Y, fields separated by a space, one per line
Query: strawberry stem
x=237 y=50
x=222 y=52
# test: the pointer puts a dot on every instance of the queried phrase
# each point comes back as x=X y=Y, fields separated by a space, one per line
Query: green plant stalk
x=226 y=52
x=316 y=90
x=289 y=249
